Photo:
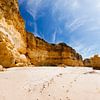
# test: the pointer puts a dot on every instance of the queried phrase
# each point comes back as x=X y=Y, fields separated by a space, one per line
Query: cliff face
x=93 y=62
x=18 y=47
x=12 y=35
x=42 y=53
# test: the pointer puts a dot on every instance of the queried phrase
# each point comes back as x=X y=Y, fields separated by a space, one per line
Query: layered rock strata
x=93 y=62
x=42 y=53
x=12 y=35
x=20 y=48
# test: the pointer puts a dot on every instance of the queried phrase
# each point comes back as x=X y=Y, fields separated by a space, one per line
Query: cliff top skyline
x=75 y=22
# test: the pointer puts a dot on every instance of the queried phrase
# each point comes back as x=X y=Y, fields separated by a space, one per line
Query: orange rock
x=42 y=53
x=19 y=48
x=93 y=62
x=12 y=35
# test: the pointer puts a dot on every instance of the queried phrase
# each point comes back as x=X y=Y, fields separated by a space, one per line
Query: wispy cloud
x=54 y=36
x=21 y=1
x=86 y=49
x=75 y=23
x=33 y=6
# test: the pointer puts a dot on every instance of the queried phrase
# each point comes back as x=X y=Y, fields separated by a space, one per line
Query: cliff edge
x=13 y=43
x=20 y=48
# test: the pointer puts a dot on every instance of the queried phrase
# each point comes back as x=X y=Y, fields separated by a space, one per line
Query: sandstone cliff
x=42 y=53
x=93 y=62
x=12 y=35
x=18 y=47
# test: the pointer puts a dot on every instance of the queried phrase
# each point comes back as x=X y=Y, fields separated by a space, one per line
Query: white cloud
x=76 y=23
x=76 y=4
x=94 y=28
x=33 y=7
x=86 y=49
x=54 y=37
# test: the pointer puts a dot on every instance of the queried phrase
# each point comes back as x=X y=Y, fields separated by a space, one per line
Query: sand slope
x=50 y=84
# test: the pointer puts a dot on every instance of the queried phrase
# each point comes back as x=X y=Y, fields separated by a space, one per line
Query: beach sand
x=50 y=83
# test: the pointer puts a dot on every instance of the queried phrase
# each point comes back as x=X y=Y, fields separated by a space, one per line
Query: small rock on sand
x=1 y=68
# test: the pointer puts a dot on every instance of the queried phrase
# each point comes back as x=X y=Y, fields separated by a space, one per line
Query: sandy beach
x=50 y=83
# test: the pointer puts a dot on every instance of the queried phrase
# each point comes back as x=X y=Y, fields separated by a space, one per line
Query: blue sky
x=75 y=22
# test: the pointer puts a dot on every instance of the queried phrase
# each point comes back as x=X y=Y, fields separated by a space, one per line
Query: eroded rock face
x=12 y=35
x=19 y=48
x=93 y=62
x=42 y=53
x=87 y=62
